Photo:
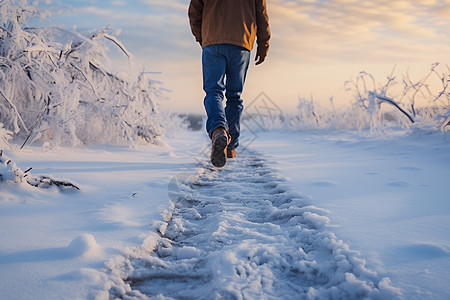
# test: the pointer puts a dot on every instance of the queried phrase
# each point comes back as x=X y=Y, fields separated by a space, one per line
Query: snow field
x=52 y=243
x=236 y=233
x=387 y=196
x=239 y=233
x=242 y=231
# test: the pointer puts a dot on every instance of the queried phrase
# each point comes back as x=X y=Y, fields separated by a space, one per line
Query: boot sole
x=218 y=154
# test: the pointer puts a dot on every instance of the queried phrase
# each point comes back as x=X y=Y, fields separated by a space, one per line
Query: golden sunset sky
x=316 y=45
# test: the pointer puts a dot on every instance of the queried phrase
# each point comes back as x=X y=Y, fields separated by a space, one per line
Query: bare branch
x=392 y=102
x=15 y=110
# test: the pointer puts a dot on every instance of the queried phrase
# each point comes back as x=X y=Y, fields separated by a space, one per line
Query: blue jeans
x=224 y=70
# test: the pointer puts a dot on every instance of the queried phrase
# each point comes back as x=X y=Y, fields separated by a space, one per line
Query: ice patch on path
x=238 y=233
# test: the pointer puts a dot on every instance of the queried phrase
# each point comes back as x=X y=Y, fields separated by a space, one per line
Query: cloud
x=315 y=43
x=118 y=3
x=302 y=30
x=317 y=29
x=442 y=11
x=167 y=4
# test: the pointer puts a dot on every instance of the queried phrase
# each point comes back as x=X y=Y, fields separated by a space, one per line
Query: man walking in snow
x=226 y=30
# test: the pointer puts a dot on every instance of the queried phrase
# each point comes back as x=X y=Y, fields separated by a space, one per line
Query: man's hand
x=261 y=53
x=259 y=58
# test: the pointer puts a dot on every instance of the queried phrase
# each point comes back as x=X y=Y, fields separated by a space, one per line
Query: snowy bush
x=424 y=103
x=5 y=137
x=55 y=86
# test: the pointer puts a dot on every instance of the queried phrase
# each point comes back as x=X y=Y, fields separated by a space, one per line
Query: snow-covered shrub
x=421 y=104
x=369 y=101
x=446 y=123
x=55 y=85
x=313 y=115
x=5 y=137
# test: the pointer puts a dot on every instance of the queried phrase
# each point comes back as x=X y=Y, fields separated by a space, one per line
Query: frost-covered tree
x=421 y=104
x=55 y=86
x=5 y=137
x=425 y=101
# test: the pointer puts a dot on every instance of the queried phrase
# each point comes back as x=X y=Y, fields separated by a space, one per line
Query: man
x=226 y=30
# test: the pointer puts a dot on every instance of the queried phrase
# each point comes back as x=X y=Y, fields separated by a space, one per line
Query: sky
x=316 y=45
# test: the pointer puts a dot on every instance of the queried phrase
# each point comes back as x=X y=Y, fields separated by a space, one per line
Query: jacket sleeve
x=195 y=18
x=263 y=30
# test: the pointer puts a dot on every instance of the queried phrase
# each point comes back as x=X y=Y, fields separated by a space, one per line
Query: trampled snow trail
x=237 y=233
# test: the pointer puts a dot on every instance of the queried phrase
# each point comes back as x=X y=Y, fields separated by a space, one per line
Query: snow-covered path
x=240 y=233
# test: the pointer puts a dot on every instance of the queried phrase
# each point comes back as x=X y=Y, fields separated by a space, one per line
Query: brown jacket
x=236 y=22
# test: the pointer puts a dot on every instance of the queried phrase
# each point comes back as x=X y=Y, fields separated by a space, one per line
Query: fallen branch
x=48 y=182
x=392 y=102
x=10 y=173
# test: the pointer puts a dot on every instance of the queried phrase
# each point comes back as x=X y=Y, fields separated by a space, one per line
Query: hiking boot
x=231 y=153
x=220 y=140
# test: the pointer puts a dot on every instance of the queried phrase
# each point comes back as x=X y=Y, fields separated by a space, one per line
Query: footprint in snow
x=237 y=233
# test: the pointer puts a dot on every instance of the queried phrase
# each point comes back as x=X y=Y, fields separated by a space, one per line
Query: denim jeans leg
x=237 y=66
x=214 y=69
